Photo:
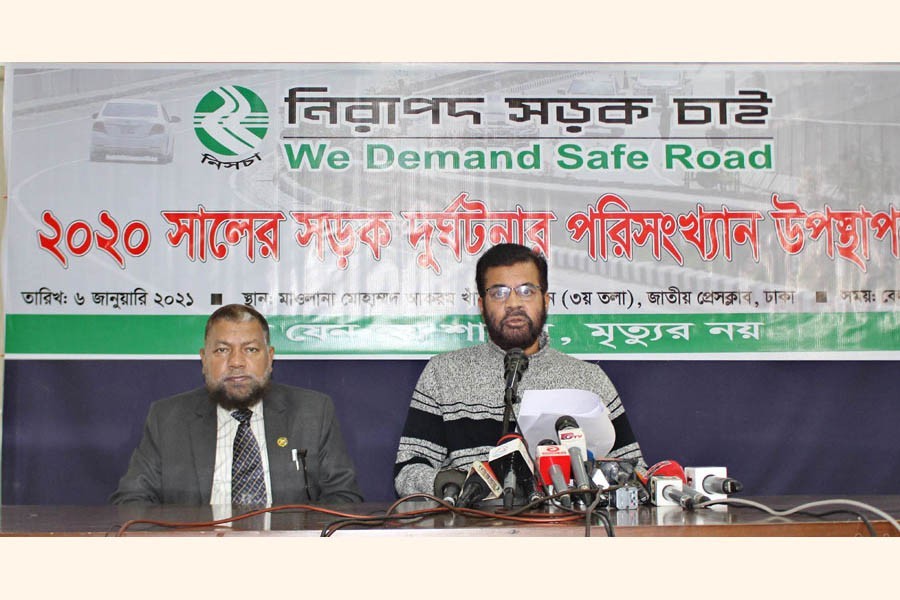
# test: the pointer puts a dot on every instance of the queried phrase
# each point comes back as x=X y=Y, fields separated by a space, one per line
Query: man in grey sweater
x=457 y=407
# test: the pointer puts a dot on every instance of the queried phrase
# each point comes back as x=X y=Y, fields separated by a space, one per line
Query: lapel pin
x=282 y=442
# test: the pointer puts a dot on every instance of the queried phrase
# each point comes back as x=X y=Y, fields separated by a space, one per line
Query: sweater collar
x=543 y=344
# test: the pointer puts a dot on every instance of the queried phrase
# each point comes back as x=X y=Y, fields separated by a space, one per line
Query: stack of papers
x=541 y=408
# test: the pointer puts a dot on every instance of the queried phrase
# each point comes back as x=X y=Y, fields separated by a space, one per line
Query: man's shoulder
x=554 y=355
x=569 y=363
x=188 y=400
x=468 y=354
x=558 y=369
x=171 y=413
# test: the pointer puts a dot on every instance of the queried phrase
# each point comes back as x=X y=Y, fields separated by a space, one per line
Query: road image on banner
x=685 y=210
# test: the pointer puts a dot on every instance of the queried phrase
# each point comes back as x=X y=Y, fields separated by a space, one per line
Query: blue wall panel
x=791 y=427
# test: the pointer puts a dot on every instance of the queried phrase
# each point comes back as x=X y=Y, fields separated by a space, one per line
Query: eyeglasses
x=500 y=293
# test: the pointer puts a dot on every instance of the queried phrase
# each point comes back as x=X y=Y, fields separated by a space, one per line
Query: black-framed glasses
x=526 y=291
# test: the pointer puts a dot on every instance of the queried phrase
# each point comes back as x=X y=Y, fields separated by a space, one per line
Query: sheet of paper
x=540 y=409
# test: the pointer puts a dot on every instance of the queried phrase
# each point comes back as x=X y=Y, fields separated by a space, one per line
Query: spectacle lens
x=526 y=291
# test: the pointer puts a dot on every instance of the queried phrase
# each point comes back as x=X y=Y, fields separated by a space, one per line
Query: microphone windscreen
x=667 y=468
x=566 y=422
x=514 y=353
x=448 y=476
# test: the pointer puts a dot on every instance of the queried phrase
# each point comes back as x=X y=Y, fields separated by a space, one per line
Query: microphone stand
x=515 y=364
x=510 y=397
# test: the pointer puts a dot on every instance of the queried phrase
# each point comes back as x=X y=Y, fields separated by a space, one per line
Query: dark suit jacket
x=173 y=464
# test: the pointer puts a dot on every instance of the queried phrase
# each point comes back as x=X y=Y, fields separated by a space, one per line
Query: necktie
x=248 y=485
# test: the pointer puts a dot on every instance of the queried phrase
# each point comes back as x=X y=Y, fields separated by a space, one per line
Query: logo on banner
x=231 y=122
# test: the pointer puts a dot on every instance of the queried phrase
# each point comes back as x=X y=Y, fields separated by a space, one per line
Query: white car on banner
x=133 y=127
x=670 y=82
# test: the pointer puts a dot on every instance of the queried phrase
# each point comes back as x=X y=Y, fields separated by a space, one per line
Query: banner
x=709 y=211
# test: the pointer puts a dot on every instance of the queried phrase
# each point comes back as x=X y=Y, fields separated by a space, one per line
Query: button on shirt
x=226 y=429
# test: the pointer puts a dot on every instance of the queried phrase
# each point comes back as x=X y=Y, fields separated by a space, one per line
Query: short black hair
x=506 y=255
x=237 y=313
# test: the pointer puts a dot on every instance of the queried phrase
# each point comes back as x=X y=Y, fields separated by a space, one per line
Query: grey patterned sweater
x=456 y=413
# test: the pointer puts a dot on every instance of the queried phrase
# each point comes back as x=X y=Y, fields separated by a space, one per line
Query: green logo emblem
x=231 y=120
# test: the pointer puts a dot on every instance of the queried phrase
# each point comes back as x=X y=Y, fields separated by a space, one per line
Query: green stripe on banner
x=104 y=334
x=575 y=334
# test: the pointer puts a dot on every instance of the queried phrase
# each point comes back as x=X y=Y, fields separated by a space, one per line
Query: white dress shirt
x=226 y=429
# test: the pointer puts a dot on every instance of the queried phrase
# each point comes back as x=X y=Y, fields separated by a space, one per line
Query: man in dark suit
x=242 y=439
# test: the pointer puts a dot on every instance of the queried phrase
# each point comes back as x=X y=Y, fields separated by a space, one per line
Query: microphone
x=667 y=490
x=613 y=473
x=510 y=461
x=571 y=437
x=667 y=468
x=570 y=434
x=684 y=495
x=555 y=468
x=480 y=484
x=713 y=481
x=560 y=485
x=641 y=474
x=549 y=453
x=509 y=489
x=514 y=364
x=632 y=479
x=691 y=497
x=448 y=484
x=721 y=485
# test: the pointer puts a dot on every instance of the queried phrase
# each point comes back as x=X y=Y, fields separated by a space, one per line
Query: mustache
x=515 y=312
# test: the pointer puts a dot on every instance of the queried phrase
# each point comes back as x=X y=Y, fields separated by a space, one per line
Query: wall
x=787 y=427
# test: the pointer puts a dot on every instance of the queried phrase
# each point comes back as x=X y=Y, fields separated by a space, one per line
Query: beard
x=218 y=394
x=522 y=337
